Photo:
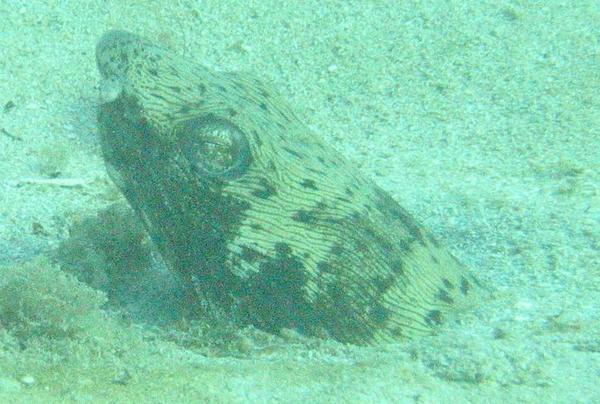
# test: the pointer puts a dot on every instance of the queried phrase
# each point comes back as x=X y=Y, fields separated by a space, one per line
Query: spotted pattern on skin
x=273 y=227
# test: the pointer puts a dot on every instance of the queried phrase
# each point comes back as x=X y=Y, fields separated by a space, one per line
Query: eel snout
x=105 y=51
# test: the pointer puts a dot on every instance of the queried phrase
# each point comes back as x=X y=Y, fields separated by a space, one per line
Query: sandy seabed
x=481 y=118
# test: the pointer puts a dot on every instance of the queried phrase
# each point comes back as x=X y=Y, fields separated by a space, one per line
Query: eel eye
x=214 y=146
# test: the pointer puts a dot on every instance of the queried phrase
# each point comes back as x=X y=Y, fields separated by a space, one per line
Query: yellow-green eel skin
x=270 y=225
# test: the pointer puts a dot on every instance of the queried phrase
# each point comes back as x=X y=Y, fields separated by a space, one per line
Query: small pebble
x=27 y=381
x=123 y=378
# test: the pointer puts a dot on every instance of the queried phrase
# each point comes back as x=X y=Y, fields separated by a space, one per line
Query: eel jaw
x=110 y=89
